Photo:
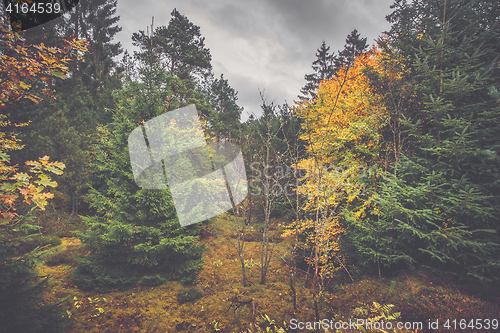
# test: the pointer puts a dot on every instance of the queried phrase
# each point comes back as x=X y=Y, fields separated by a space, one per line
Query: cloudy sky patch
x=262 y=44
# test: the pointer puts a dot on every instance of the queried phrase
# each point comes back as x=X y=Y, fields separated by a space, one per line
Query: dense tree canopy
x=388 y=162
x=22 y=66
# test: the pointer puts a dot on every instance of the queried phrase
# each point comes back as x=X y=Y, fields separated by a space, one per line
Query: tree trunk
x=292 y=271
x=74 y=203
x=266 y=255
x=250 y=205
x=254 y=330
x=241 y=243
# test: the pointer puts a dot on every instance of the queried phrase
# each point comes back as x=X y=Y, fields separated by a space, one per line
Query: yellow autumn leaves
x=342 y=129
x=343 y=123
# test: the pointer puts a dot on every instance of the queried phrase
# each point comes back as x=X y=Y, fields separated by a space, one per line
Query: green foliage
x=21 y=251
x=439 y=204
x=21 y=288
x=225 y=118
x=375 y=312
x=93 y=274
x=324 y=70
x=174 y=57
x=136 y=232
x=33 y=241
x=179 y=46
x=188 y=295
x=215 y=326
x=57 y=223
x=251 y=263
x=121 y=252
x=63 y=129
x=154 y=280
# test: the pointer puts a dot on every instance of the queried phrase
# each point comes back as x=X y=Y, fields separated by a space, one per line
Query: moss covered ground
x=218 y=301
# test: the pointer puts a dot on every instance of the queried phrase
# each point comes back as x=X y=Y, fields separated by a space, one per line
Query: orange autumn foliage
x=342 y=124
x=31 y=188
x=342 y=129
x=21 y=65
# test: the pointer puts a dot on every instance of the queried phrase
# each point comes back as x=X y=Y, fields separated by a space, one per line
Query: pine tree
x=178 y=49
x=324 y=69
x=440 y=206
x=354 y=46
x=136 y=233
x=223 y=98
x=183 y=47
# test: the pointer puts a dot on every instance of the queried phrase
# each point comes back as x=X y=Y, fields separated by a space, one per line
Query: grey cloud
x=289 y=30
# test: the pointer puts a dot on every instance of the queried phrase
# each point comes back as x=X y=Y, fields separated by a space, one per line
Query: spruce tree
x=225 y=119
x=327 y=64
x=353 y=47
x=64 y=128
x=136 y=234
x=96 y=21
x=439 y=207
x=324 y=69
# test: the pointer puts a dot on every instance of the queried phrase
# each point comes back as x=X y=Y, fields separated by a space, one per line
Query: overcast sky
x=262 y=44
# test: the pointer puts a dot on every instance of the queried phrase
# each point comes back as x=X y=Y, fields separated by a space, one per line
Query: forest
x=373 y=199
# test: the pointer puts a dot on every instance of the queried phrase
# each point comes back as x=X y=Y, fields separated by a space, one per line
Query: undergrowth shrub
x=270 y=325
x=442 y=304
x=188 y=295
x=153 y=280
x=415 y=300
x=93 y=275
x=58 y=223
x=33 y=241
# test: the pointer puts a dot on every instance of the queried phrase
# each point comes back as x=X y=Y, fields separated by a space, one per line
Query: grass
x=218 y=302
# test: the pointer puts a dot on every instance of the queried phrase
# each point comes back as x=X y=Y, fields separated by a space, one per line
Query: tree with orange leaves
x=21 y=67
x=341 y=127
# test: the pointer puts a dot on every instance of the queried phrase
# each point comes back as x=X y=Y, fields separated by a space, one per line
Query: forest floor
x=218 y=301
